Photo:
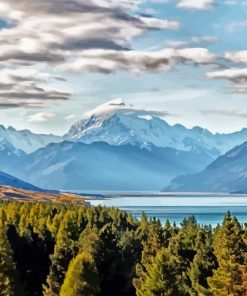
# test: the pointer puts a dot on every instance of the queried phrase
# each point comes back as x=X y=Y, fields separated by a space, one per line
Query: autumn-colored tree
x=229 y=249
x=82 y=278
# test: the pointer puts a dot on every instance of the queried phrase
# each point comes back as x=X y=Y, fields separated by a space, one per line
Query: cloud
x=237 y=76
x=191 y=41
x=237 y=57
x=235 y=2
x=40 y=117
x=118 y=106
x=230 y=74
x=70 y=117
x=236 y=26
x=18 y=105
x=230 y=113
x=137 y=61
x=70 y=29
x=22 y=88
x=195 y=4
x=72 y=38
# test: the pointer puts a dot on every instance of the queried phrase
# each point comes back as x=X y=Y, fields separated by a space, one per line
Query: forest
x=71 y=250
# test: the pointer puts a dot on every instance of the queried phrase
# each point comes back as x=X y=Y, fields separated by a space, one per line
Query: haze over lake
x=207 y=209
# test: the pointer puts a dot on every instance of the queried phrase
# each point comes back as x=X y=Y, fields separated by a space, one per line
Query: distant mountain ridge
x=25 y=140
x=75 y=165
x=10 y=157
x=228 y=173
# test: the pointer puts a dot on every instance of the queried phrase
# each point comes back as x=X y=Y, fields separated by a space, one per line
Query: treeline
x=48 y=249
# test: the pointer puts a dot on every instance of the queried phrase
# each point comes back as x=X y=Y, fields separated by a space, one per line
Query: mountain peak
x=117 y=123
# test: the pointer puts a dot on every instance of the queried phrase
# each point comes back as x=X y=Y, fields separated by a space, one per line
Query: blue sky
x=170 y=55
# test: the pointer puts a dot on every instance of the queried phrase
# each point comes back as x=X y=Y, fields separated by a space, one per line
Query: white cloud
x=230 y=113
x=237 y=57
x=235 y=26
x=41 y=117
x=191 y=41
x=206 y=38
x=235 y=2
x=195 y=4
x=231 y=74
x=176 y=43
x=70 y=29
x=70 y=117
x=238 y=78
x=22 y=87
x=136 y=61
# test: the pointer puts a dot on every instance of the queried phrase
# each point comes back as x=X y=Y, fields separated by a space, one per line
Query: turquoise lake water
x=206 y=209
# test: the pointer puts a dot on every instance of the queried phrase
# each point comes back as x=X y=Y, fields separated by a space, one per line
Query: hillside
x=9 y=180
x=228 y=173
x=17 y=194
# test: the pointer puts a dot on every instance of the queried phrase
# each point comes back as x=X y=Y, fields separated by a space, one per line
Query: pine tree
x=160 y=277
x=65 y=250
x=81 y=279
x=8 y=274
x=153 y=241
x=182 y=248
x=202 y=266
x=229 y=248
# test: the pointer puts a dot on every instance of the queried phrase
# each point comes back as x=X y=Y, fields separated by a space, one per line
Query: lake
x=208 y=209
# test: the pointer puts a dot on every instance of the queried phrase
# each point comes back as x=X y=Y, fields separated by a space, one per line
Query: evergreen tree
x=182 y=248
x=65 y=250
x=81 y=279
x=229 y=249
x=8 y=273
x=160 y=277
x=153 y=240
x=203 y=264
x=60 y=262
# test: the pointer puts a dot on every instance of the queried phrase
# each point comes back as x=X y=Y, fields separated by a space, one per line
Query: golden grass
x=12 y=193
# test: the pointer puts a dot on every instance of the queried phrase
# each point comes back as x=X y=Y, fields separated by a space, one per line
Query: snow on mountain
x=26 y=140
x=10 y=156
x=228 y=173
x=117 y=124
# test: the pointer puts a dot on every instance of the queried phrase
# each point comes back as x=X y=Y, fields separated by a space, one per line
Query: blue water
x=206 y=209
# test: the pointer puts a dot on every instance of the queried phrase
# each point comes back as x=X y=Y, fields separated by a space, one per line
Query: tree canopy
x=72 y=250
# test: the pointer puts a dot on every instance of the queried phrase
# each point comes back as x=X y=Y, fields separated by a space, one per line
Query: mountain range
x=118 y=124
x=25 y=140
x=120 y=147
x=228 y=173
x=76 y=165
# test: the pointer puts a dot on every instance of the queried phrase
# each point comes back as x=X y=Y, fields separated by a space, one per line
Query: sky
x=186 y=58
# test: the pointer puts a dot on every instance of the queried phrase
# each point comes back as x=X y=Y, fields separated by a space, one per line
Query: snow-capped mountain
x=10 y=156
x=117 y=124
x=228 y=173
x=100 y=166
x=26 y=140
